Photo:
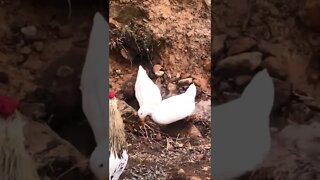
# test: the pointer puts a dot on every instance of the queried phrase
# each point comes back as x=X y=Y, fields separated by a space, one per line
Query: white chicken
x=176 y=107
x=15 y=161
x=94 y=85
x=147 y=93
x=241 y=135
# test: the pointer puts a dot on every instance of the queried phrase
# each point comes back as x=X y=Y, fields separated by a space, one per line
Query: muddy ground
x=41 y=55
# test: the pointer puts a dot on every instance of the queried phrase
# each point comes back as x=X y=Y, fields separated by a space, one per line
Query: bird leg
x=145 y=126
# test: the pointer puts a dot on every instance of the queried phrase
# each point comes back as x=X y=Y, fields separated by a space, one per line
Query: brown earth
x=41 y=56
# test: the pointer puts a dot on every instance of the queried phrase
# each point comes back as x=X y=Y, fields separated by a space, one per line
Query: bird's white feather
x=94 y=79
x=117 y=165
x=146 y=91
x=241 y=129
x=15 y=162
x=176 y=107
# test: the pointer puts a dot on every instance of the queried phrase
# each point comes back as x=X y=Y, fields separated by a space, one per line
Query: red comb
x=111 y=94
x=8 y=106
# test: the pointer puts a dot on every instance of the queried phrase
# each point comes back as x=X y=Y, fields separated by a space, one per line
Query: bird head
x=98 y=162
x=143 y=112
x=112 y=94
x=8 y=106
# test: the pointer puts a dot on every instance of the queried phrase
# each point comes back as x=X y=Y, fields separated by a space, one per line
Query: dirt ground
x=286 y=35
x=41 y=56
x=181 y=150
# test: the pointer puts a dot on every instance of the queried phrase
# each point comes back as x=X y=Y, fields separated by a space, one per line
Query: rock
x=38 y=46
x=309 y=14
x=40 y=139
x=185 y=75
x=125 y=109
x=194 y=178
x=185 y=81
x=218 y=44
x=33 y=64
x=30 y=32
x=240 y=64
x=240 y=45
x=193 y=131
x=4 y=78
x=181 y=172
x=243 y=80
x=64 y=71
x=157 y=69
x=118 y=71
x=171 y=87
x=159 y=73
x=277 y=67
x=207 y=65
x=25 y=50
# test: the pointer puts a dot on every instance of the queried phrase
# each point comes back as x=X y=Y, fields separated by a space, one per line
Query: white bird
x=176 y=107
x=94 y=85
x=15 y=162
x=147 y=93
x=241 y=135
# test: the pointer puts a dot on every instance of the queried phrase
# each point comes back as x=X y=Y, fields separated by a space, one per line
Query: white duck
x=241 y=129
x=176 y=107
x=147 y=93
x=94 y=85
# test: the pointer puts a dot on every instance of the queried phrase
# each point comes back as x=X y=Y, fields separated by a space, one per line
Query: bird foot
x=145 y=127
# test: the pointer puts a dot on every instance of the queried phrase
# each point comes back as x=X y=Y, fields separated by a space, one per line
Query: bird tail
x=141 y=71
x=192 y=90
x=15 y=160
x=260 y=91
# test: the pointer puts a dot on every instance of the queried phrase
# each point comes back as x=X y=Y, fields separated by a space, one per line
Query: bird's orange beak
x=142 y=121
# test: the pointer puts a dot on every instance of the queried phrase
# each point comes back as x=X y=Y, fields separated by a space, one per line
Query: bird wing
x=176 y=107
x=241 y=128
x=94 y=80
x=147 y=92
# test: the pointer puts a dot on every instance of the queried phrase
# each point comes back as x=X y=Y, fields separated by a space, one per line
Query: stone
x=243 y=80
x=277 y=67
x=240 y=64
x=38 y=46
x=185 y=81
x=240 y=45
x=218 y=44
x=29 y=32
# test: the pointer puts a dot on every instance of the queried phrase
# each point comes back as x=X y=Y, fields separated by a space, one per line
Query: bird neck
x=117 y=139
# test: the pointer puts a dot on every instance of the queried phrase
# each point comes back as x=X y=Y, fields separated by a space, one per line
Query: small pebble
x=64 y=71
x=185 y=81
x=38 y=46
x=118 y=71
x=29 y=31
